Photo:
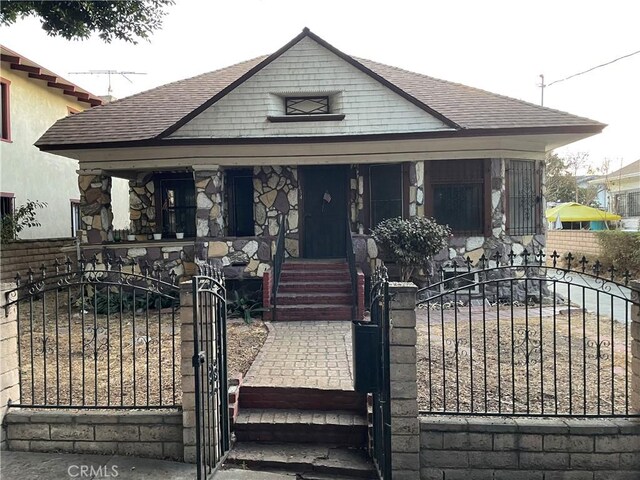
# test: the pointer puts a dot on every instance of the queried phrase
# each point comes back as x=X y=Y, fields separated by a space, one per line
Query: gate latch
x=198 y=359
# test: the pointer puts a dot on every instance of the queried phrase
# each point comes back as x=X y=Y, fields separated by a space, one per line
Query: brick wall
x=142 y=434
x=19 y=256
x=574 y=241
x=537 y=449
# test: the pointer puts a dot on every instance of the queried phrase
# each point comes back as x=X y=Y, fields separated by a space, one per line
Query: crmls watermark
x=93 y=472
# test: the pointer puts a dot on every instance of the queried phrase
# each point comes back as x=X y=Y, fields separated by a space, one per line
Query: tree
x=562 y=179
x=411 y=243
x=23 y=217
x=125 y=20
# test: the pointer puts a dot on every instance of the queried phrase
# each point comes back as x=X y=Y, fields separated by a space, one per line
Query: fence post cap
x=403 y=286
x=634 y=285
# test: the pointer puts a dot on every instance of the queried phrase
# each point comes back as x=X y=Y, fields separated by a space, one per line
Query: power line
x=543 y=85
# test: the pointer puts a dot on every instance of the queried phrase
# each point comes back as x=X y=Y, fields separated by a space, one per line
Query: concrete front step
x=305 y=460
x=256 y=397
x=341 y=428
x=315 y=298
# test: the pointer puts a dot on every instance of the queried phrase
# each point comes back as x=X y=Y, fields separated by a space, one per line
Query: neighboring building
x=324 y=140
x=33 y=99
x=623 y=191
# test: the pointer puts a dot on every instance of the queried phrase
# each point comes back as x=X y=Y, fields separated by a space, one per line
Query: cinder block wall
x=142 y=434
x=454 y=447
x=9 y=377
x=574 y=241
x=17 y=257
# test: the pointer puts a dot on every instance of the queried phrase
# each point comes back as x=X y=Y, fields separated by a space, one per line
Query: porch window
x=178 y=206
x=7 y=205
x=240 y=198
x=385 y=192
x=523 y=198
x=5 y=132
x=457 y=194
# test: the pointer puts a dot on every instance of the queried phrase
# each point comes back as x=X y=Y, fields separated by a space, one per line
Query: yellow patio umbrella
x=575 y=212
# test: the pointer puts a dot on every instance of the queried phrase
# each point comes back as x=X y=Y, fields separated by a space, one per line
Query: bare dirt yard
x=70 y=355
x=540 y=362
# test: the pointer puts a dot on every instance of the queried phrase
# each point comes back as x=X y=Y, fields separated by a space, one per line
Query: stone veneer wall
x=148 y=434
x=241 y=257
x=142 y=207
x=460 y=247
x=176 y=256
x=96 y=216
x=209 y=203
x=275 y=192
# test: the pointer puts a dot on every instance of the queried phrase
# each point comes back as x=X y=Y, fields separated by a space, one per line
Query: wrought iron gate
x=381 y=399
x=210 y=365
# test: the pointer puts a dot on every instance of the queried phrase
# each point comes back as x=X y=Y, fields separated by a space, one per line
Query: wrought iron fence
x=278 y=260
x=98 y=335
x=517 y=337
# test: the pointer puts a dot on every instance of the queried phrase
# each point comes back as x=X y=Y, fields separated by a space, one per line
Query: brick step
x=324 y=276
x=313 y=312
x=314 y=266
x=307 y=460
x=315 y=298
x=301 y=426
x=314 y=287
x=302 y=399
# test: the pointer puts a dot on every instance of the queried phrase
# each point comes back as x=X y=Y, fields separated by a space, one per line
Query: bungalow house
x=321 y=143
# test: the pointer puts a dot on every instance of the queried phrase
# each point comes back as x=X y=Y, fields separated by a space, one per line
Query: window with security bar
x=457 y=193
x=524 y=199
x=306 y=105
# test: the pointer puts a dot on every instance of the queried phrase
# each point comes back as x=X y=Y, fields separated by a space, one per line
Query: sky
x=500 y=46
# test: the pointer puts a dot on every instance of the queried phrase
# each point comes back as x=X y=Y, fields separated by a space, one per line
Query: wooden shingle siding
x=309 y=69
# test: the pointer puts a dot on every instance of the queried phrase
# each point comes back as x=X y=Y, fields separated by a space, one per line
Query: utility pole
x=542 y=85
x=108 y=73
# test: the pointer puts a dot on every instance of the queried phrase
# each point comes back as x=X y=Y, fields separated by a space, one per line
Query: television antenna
x=108 y=73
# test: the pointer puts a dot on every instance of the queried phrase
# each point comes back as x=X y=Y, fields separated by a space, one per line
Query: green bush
x=621 y=249
x=412 y=242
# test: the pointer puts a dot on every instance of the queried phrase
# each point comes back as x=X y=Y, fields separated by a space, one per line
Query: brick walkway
x=307 y=354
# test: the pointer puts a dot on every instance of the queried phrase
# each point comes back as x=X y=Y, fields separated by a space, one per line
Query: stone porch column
x=635 y=346
x=209 y=201
x=96 y=215
x=9 y=366
x=405 y=427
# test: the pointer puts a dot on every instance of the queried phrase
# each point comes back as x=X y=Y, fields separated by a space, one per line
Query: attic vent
x=306 y=105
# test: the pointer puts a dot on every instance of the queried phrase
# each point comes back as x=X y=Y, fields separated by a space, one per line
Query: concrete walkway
x=62 y=466
x=307 y=354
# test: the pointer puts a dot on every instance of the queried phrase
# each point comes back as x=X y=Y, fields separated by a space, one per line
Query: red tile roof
x=150 y=115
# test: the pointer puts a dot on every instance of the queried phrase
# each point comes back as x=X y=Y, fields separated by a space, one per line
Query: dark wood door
x=324 y=193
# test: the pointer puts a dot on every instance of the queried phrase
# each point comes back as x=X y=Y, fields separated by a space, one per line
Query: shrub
x=621 y=249
x=23 y=217
x=411 y=242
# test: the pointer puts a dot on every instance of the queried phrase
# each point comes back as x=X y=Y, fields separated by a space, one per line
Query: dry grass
x=115 y=360
x=537 y=363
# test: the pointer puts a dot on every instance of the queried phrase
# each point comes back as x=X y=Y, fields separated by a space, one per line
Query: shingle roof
x=149 y=115
x=628 y=170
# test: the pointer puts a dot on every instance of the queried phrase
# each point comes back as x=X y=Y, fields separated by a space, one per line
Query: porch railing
x=513 y=336
x=278 y=260
x=353 y=269
x=98 y=335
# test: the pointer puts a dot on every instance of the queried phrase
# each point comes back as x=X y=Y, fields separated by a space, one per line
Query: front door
x=324 y=193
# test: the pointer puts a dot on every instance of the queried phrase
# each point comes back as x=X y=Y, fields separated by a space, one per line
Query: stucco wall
x=34 y=175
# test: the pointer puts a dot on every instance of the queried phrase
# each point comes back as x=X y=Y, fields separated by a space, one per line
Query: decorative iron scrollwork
x=527 y=345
